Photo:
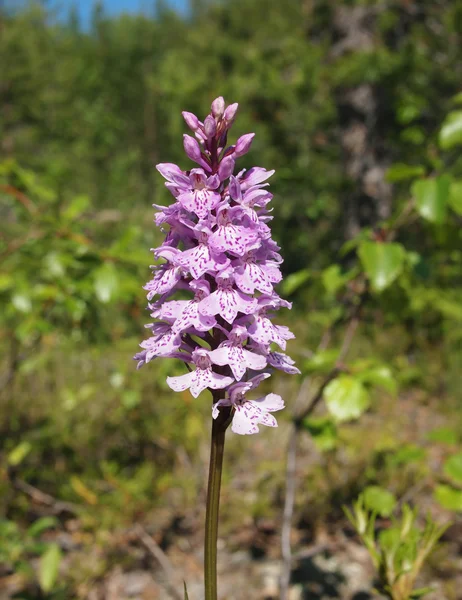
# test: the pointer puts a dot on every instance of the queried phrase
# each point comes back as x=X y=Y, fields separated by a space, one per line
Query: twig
x=289 y=500
x=151 y=545
x=43 y=498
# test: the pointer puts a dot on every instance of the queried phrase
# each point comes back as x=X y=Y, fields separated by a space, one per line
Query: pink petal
x=269 y=403
x=245 y=421
x=180 y=383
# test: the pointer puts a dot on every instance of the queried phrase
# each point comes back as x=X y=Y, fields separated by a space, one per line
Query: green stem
x=219 y=426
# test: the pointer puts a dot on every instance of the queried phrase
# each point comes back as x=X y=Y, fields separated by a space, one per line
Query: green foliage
x=398 y=552
x=449 y=495
x=49 y=568
x=383 y=262
x=87 y=114
x=379 y=501
x=431 y=197
x=451 y=131
x=346 y=398
x=17 y=549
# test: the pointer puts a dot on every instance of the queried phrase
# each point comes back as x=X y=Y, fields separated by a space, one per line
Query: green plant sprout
x=398 y=552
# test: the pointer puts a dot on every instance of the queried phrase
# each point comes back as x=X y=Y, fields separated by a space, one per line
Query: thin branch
x=156 y=551
x=43 y=498
x=289 y=500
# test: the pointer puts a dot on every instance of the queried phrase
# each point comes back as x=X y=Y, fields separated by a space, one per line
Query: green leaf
x=451 y=132
x=76 y=207
x=186 y=597
x=321 y=362
x=294 y=281
x=457 y=99
x=323 y=431
x=333 y=279
x=453 y=467
x=383 y=262
x=19 y=453
x=346 y=398
x=448 y=497
x=409 y=453
x=455 y=196
x=106 y=282
x=49 y=568
x=379 y=500
x=444 y=435
x=431 y=197
x=380 y=376
x=400 y=172
x=41 y=525
x=22 y=302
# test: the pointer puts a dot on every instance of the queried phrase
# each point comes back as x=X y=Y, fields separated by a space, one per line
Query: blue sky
x=115 y=7
x=111 y=7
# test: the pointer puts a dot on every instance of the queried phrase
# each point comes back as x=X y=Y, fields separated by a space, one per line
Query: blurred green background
x=357 y=105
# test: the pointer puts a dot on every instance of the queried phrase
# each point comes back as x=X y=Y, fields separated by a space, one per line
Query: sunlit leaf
x=431 y=197
x=22 y=302
x=19 y=453
x=455 y=196
x=49 y=568
x=379 y=500
x=449 y=497
x=76 y=207
x=346 y=398
x=380 y=376
x=400 y=172
x=333 y=279
x=83 y=491
x=451 y=132
x=106 y=282
x=383 y=262
x=453 y=467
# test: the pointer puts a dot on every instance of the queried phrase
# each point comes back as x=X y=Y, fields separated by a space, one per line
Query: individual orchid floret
x=201 y=258
x=212 y=295
x=230 y=237
x=248 y=414
x=226 y=300
x=202 y=378
x=201 y=198
x=232 y=353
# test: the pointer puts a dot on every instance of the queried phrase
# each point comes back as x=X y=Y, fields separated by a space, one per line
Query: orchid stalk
x=218 y=248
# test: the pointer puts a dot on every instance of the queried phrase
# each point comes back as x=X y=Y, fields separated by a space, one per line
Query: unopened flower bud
x=230 y=112
x=192 y=148
x=191 y=120
x=210 y=127
x=226 y=168
x=218 y=107
x=243 y=144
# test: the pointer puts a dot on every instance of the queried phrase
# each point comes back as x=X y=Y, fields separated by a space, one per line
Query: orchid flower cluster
x=218 y=250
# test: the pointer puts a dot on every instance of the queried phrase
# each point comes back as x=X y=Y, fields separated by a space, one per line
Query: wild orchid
x=218 y=248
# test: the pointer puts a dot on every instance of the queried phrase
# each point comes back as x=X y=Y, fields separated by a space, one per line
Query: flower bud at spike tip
x=243 y=144
x=210 y=126
x=226 y=168
x=216 y=277
x=192 y=148
x=191 y=120
x=230 y=112
x=218 y=107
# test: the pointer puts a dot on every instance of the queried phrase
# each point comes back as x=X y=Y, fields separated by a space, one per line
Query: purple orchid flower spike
x=218 y=250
